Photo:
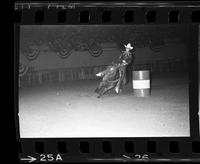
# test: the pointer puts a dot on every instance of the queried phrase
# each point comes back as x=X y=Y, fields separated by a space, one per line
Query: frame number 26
x=138 y=156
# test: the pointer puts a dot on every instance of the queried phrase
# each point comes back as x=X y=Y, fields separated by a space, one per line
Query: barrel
x=141 y=83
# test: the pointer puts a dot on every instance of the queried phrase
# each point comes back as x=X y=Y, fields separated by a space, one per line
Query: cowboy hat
x=129 y=46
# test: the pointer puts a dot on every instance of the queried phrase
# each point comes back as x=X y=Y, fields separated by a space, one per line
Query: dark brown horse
x=111 y=78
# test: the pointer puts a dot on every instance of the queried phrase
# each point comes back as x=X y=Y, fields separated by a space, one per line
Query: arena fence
x=32 y=77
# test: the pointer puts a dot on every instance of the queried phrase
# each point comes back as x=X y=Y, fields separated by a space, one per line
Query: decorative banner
x=22 y=70
x=62 y=50
x=30 y=50
x=95 y=49
x=64 y=53
x=66 y=50
x=33 y=55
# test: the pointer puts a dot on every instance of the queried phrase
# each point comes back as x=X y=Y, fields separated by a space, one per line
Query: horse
x=111 y=78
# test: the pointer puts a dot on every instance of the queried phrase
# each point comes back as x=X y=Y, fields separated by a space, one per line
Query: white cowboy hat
x=129 y=46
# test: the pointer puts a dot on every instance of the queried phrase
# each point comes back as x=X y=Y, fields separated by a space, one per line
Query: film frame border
x=184 y=146
x=180 y=13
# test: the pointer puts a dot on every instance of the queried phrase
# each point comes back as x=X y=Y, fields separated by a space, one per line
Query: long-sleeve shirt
x=125 y=57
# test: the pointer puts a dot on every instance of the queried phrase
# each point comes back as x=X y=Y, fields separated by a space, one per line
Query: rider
x=125 y=59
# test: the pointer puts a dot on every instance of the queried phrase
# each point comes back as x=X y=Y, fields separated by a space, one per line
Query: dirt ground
x=72 y=109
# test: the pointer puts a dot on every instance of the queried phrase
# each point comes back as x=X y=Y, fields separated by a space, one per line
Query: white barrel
x=141 y=83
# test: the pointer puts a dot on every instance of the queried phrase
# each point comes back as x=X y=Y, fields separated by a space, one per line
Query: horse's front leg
x=98 y=88
x=102 y=85
x=104 y=90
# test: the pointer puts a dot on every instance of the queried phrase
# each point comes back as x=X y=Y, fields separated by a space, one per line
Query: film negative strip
x=107 y=82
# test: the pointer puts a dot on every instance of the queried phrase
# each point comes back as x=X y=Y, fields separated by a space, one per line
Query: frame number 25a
x=50 y=157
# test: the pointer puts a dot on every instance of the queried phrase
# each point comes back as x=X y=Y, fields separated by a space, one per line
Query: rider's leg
x=121 y=77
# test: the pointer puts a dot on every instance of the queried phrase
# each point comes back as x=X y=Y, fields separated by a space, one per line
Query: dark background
x=79 y=52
